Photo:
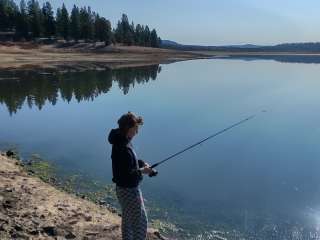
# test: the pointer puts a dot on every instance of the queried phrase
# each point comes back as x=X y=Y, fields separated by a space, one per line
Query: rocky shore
x=33 y=209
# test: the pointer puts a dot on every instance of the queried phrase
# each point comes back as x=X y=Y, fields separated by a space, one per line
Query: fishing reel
x=154 y=173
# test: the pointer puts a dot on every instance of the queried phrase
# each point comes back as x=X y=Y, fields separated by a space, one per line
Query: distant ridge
x=169 y=42
x=305 y=47
x=244 y=46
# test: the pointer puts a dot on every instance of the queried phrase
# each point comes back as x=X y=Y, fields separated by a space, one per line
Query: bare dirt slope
x=32 y=209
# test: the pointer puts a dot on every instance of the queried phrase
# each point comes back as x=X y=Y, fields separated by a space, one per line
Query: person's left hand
x=146 y=165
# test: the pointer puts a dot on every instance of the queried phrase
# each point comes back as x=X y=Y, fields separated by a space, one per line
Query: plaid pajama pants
x=134 y=217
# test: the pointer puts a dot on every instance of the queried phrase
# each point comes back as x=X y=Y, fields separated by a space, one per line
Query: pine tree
x=131 y=34
x=75 y=23
x=86 y=24
x=128 y=37
x=118 y=33
x=146 y=37
x=90 y=24
x=138 y=36
x=3 y=16
x=98 y=28
x=58 y=22
x=109 y=36
x=154 y=40
x=48 y=20
x=124 y=32
x=63 y=22
x=22 y=27
x=34 y=16
x=8 y=15
x=102 y=30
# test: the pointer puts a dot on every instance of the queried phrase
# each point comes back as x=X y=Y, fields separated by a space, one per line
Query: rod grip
x=154 y=165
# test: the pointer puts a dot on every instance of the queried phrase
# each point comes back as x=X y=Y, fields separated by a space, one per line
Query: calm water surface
x=260 y=180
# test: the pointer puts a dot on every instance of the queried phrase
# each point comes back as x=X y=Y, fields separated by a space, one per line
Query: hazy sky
x=217 y=22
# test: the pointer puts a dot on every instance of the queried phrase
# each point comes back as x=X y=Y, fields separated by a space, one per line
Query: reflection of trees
x=34 y=88
x=141 y=75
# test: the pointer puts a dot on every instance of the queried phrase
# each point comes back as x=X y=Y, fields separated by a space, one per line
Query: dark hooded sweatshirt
x=124 y=161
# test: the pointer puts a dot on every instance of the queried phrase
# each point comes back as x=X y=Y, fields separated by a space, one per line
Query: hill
x=307 y=47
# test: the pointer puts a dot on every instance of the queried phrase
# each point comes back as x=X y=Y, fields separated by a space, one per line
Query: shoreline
x=96 y=56
x=33 y=209
x=28 y=56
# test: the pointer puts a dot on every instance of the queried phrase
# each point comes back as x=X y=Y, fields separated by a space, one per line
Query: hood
x=115 y=137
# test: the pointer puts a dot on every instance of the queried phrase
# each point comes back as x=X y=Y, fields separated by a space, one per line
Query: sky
x=216 y=22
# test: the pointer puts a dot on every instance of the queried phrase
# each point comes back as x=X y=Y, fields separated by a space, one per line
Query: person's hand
x=146 y=169
x=146 y=165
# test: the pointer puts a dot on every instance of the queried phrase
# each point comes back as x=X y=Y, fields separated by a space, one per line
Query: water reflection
x=37 y=88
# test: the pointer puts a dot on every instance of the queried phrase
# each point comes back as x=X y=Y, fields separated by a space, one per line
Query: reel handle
x=154 y=173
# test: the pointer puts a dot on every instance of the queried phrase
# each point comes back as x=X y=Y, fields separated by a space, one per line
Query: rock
x=4 y=228
x=29 y=163
x=52 y=180
x=19 y=164
x=33 y=232
x=50 y=230
x=70 y=235
x=35 y=222
x=88 y=218
x=102 y=202
x=91 y=233
x=113 y=210
x=3 y=218
x=18 y=228
x=20 y=236
x=10 y=153
x=72 y=222
x=60 y=238
x=9 y=190
x=7 y=204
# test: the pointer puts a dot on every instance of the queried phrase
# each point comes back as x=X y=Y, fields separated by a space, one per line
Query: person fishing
x=128 y=172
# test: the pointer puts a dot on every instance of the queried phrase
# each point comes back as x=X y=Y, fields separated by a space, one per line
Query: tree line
x=30 y=21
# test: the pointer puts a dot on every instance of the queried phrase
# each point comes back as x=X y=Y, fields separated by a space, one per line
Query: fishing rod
x=154 y=173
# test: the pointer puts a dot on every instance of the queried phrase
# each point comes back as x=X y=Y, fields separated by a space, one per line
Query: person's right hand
x=146 y=170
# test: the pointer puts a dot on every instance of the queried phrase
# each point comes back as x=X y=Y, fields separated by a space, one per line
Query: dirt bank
x=33 y=209
x=83 y=55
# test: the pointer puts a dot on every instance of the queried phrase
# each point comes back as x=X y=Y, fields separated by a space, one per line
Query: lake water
x=259 y=180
